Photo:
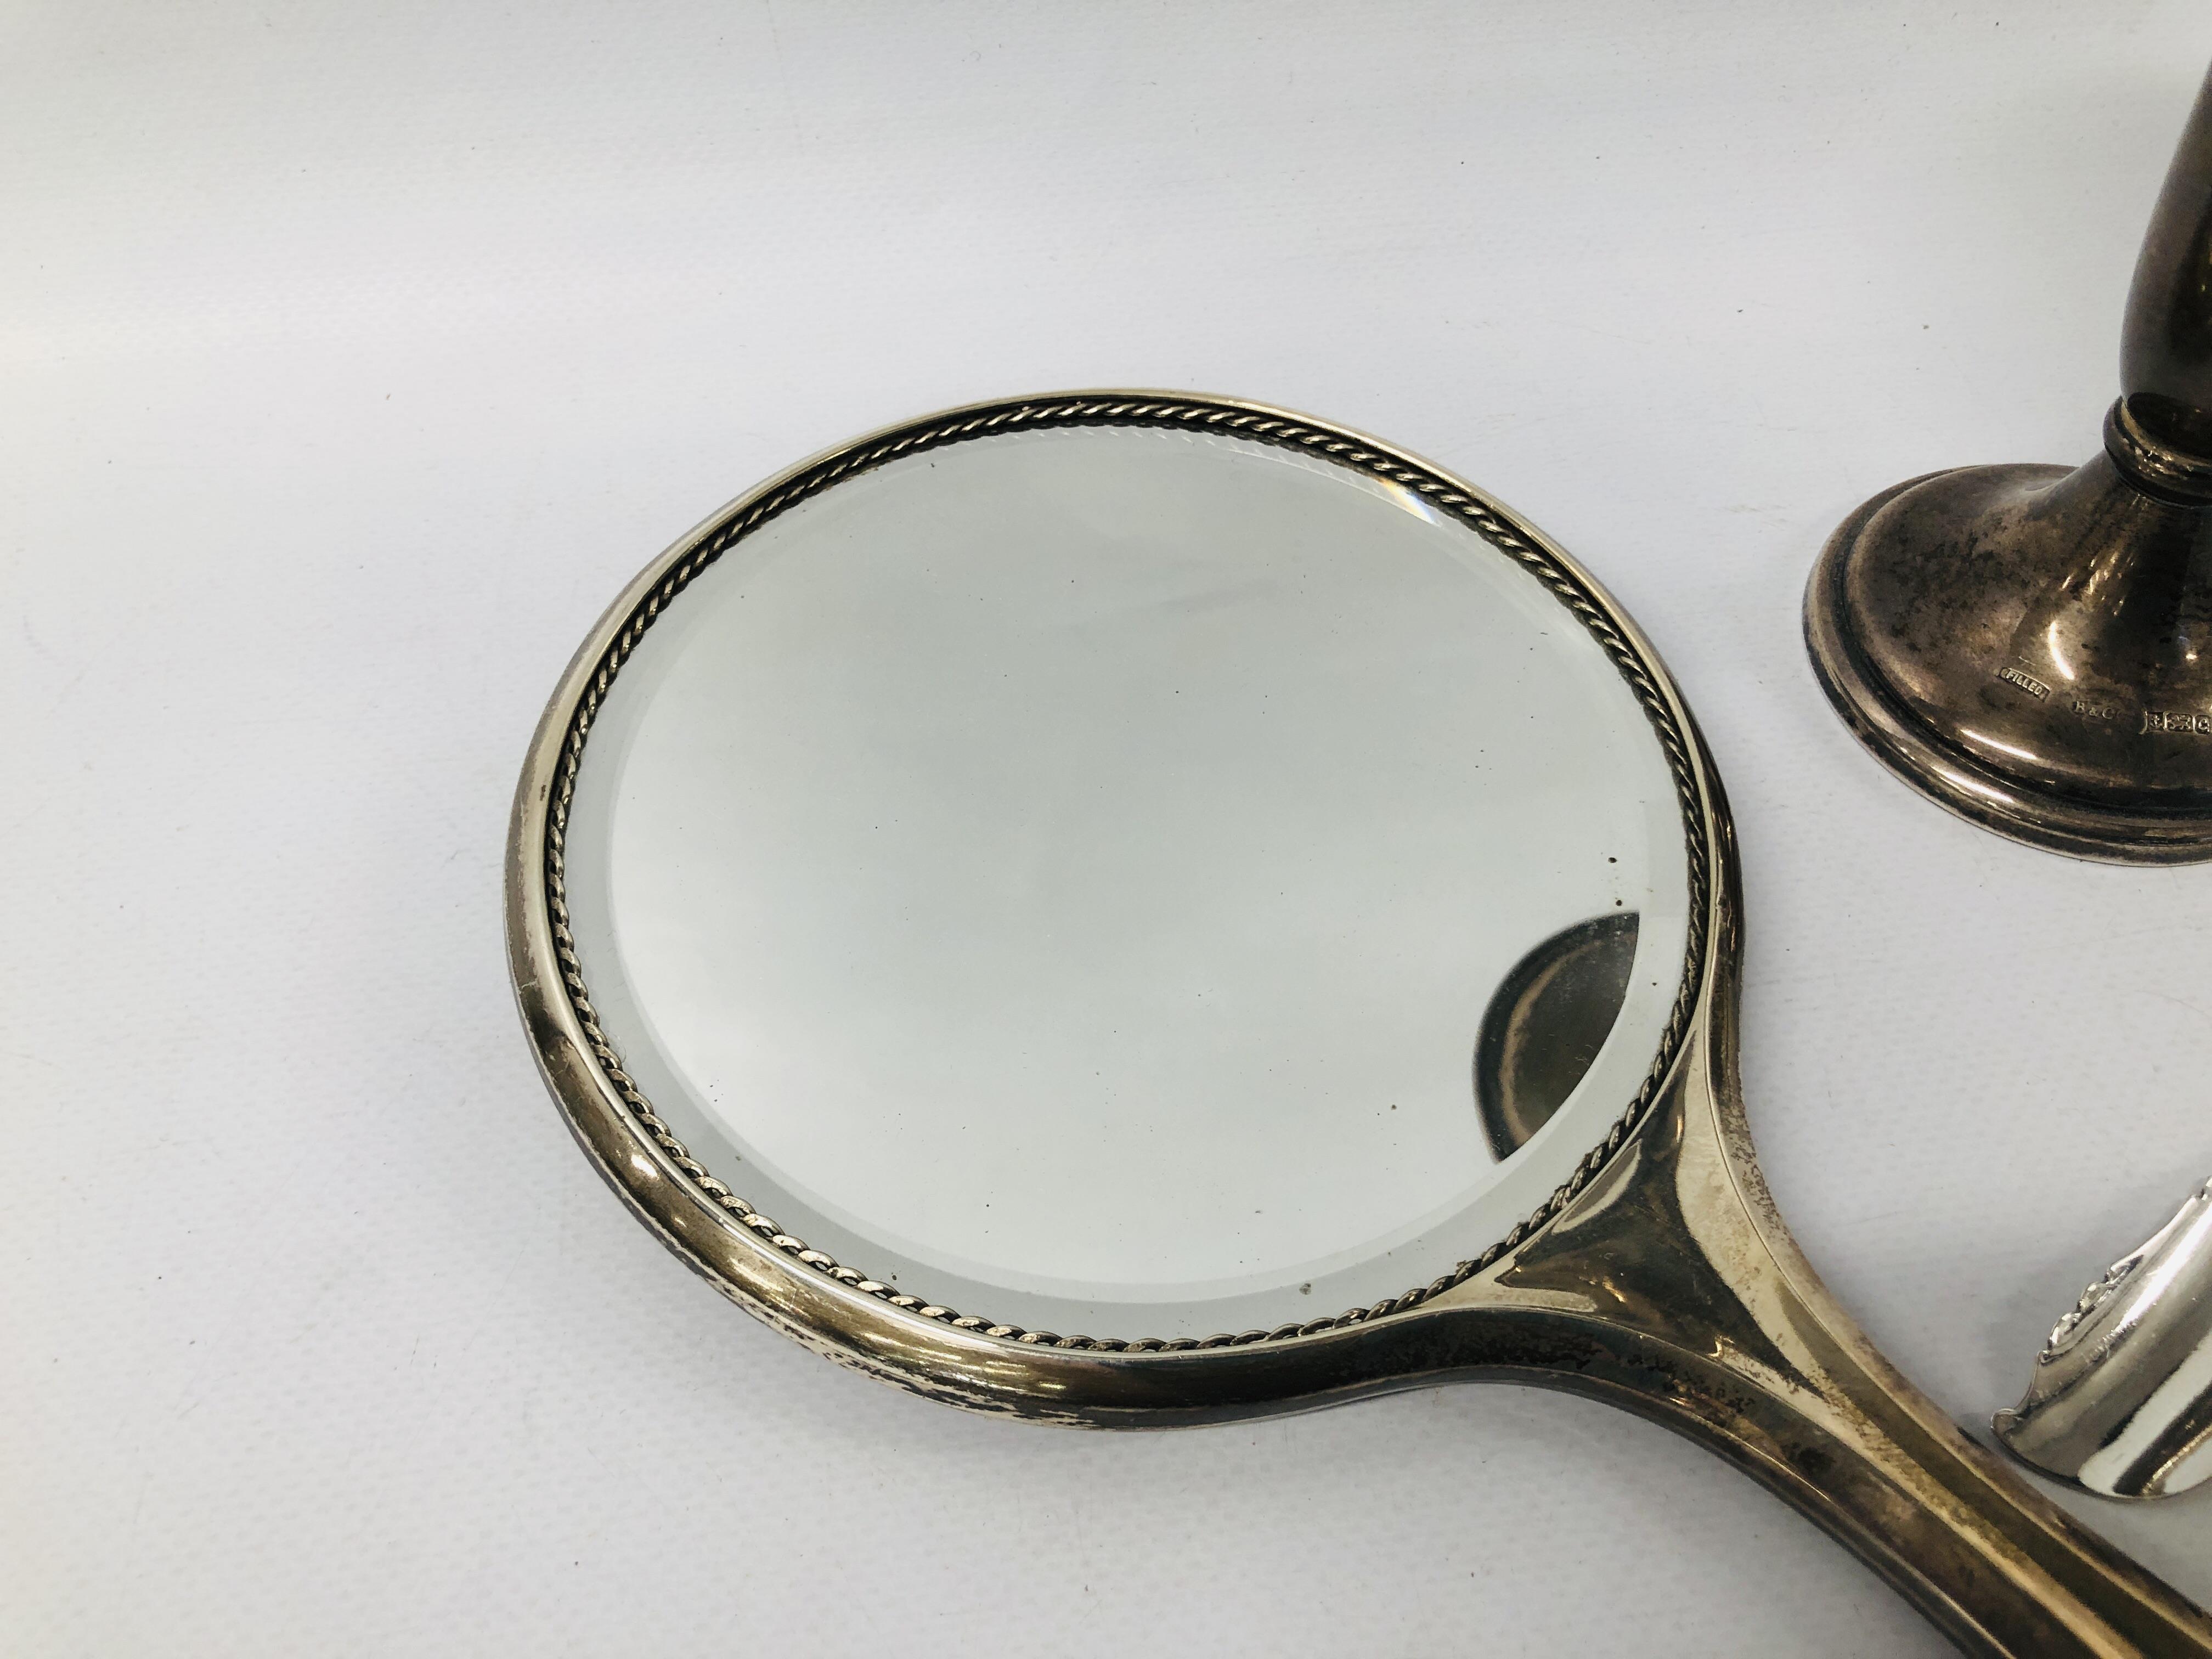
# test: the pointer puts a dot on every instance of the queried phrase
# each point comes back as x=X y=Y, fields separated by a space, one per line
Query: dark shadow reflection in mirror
x=1545 y=1024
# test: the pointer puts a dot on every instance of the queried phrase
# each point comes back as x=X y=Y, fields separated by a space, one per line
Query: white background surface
x=355 y=355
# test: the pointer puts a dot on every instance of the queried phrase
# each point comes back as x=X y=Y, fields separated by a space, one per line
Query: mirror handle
x=1671 y=1287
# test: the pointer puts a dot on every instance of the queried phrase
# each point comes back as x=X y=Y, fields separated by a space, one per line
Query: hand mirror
x=1130 y=909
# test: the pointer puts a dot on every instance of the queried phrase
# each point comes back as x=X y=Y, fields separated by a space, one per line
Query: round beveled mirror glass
x=1075 y=876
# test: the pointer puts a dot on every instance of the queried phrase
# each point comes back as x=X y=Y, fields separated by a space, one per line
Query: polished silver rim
x=552 y=774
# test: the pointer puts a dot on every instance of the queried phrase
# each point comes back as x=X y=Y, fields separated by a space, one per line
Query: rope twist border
x=1168 y=413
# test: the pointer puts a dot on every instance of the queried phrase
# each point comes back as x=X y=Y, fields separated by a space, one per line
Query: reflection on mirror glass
x=1546 y=1022
x=1066 y=873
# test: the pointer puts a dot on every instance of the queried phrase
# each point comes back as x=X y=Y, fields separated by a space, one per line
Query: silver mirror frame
x=1659 y=1277
x=570 y=717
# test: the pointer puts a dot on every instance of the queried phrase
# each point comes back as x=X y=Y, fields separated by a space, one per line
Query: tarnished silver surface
x=2031 y=647
x=1659 y=1278
x=2121 y=1400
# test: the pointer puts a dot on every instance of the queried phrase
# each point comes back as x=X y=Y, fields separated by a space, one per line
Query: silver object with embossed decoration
x=2121 y=1401
x=1199 y=742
